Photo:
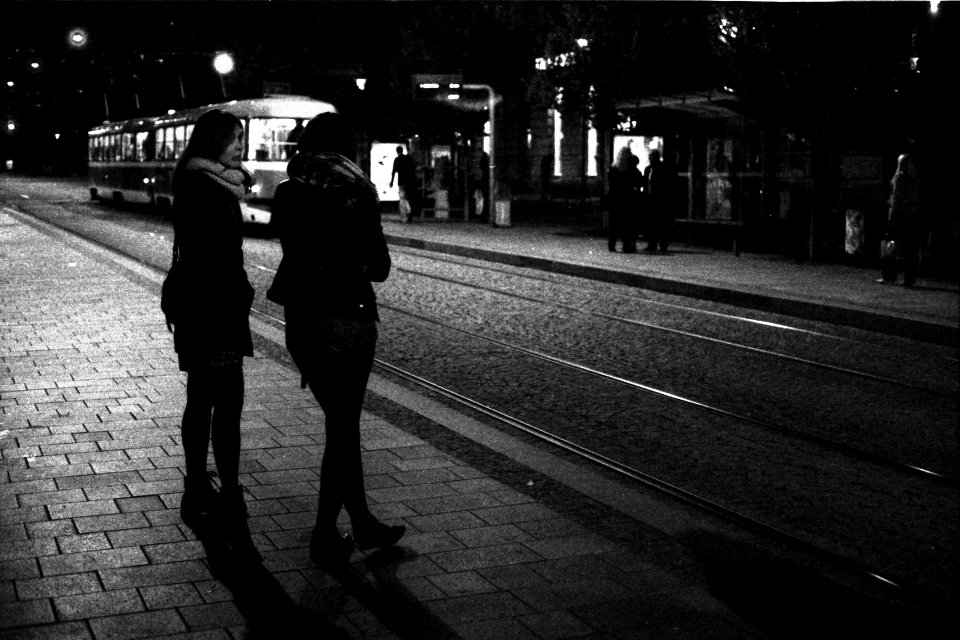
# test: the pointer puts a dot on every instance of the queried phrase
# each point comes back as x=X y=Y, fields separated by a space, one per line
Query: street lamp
x=77 y=38
x=223 y=64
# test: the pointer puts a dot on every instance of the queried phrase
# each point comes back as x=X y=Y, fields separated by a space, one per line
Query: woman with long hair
x=327 y=216
x=212 y=332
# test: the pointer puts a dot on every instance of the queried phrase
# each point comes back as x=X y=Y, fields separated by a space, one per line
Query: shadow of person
x=267 y=608
x=790 y=595
x=373 y=582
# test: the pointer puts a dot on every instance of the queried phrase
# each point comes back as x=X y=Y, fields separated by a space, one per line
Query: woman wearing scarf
x=327 y=216
x=212 y=332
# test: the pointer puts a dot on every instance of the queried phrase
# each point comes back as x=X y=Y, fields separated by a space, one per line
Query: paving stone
x=151 y=575
x=49 y=587
x=217 y=614
x=138 y=625
x=553 y=625
x=170 y=596
x=74 y=543
x=92 y=560
x=484 y=606
x=462 y=583
x=62 y=631
x=478 y=558
x=93 y=605
x=25 y=613
x=111 y=522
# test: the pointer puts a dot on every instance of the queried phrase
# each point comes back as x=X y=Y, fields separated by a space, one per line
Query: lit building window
x=557 y=139
x=592 y=151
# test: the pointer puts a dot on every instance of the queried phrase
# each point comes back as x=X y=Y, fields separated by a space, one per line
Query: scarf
x=236 y=181
x=328 y=170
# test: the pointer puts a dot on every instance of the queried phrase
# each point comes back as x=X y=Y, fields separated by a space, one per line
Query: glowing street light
x=223 y=63
x=77 y=38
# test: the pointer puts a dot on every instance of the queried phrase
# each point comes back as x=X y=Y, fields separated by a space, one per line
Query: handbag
x=172 y=292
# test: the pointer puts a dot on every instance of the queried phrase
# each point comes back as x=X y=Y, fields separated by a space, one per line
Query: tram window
x=268 y=138
x=129 y=150
x=166 y=149
x=179 y=141
x=145 y=146
x=114 y=149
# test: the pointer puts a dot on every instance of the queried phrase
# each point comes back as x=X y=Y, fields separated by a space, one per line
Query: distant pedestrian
x=904 y=229
x=292 y=138
x=623 y=202
x=658 y=211
x=405 y=173
x=546 y=176
x=212 y=331
x=327 y=217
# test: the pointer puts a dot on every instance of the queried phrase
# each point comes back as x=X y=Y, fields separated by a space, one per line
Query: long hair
x=327 y=132
x=213 y=131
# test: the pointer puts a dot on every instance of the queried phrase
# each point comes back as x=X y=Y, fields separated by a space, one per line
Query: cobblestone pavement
x=505 y=540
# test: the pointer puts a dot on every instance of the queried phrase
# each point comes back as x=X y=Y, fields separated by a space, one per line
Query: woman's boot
x=199 y=500
x=233 y=521
x=368 y=533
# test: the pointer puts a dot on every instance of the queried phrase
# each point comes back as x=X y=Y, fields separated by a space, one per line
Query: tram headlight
x=255 y=190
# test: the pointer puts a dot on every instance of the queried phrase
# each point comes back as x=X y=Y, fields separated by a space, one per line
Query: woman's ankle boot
x=199 y=500
x=369 y=533
x=233 y=521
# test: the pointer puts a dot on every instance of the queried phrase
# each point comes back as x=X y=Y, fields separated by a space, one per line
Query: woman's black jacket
x=208 y=226
x=333 y=248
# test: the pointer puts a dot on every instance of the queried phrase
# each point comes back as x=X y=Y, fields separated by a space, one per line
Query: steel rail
x=688 y=334
x=775 y=325
x=853 y=452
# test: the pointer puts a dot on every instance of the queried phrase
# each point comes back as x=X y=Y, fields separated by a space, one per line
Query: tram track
x=949 y=393
x=937 y=354
x=532 y=274
x=852 y=452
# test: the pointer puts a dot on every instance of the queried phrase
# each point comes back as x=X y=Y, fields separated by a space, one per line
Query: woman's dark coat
x=333 y=248
x=208 y=226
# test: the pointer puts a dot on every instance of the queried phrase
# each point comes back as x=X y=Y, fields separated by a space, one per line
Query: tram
x=133 y=160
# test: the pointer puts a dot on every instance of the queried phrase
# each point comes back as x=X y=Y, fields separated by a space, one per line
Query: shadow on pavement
x=269 y=611
x=788 y=599
x=385 y=596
